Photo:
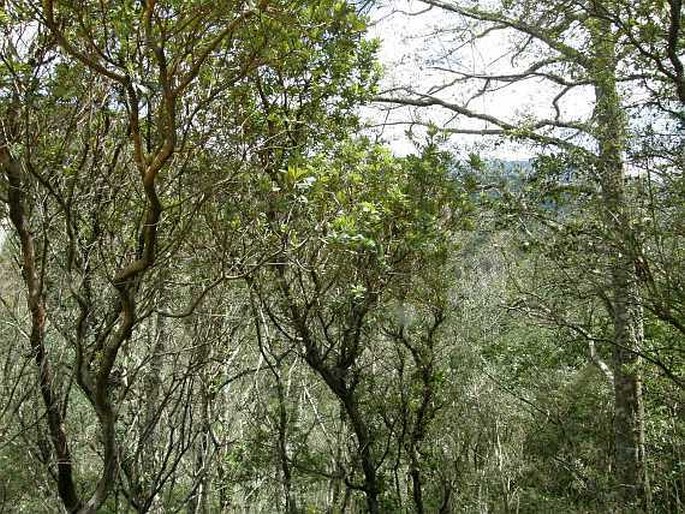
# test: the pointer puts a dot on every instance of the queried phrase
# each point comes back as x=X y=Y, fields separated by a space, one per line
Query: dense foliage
x=221 y=294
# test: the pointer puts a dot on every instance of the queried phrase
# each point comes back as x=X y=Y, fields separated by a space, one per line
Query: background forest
x=223 y=292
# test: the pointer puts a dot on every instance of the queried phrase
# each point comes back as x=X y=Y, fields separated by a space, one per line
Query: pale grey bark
x=611 y=133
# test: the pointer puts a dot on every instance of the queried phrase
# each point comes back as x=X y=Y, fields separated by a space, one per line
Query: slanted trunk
x=361 y=431
x=36 y=305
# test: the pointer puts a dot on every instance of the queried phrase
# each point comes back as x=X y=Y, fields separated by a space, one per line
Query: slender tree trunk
x=36 y=305
x=337 y=377
x=633 y=492
x=348 y=399
x=149 y=436
x=371 y=487
x=290 y=503
x=199 y=503
x=423 y=418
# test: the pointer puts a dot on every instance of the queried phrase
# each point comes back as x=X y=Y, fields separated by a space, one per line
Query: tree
x=571 y=47
x=329 y=286
x=138 y=85
x=217 y=295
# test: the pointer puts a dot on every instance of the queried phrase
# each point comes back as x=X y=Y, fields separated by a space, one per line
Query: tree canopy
x=222 y=292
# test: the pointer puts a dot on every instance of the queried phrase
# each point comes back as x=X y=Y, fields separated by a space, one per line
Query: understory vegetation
x=221 y=291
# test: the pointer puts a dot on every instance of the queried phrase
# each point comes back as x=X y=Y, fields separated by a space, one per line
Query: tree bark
x=633 y=492
x=360 y=429
x=36 y=303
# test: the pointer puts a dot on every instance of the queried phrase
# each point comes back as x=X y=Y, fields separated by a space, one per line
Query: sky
x=417 y=51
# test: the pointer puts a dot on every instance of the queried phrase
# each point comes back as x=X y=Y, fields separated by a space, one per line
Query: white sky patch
x=419 y=50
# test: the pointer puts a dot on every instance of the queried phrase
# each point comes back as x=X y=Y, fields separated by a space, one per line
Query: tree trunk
x=632 y=493
x=364 y=450
x=36 y=305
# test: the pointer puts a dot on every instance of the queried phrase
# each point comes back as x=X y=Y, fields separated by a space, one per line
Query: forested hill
x=220 y=292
